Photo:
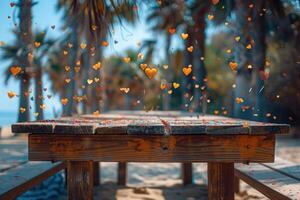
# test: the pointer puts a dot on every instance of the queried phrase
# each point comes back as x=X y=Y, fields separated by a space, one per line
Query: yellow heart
x=36 y=114
x=66 y=52
x=190 y=49
x=126 y=90
x=43 y=106
x=67 y=68
x=11 y=94
x=89 y=81
x=97 y=66
x=187 y=70
x=165 y=66
x=184 y=35
x=96 y=113
x=68 y=80
x=150 y=72
x=70 y=45
x=162 y=86
x=233 y=65
x=77 y=69
x=22 y=110
x=239 y=100
x=82 y=45
x=143 y=66
x=249 y=46
x=170 y=91
x=15 y=70
x=96 y=79
x=176 y=85
x=127 y=59
x=237 y=38
x=64 y=101
x=37 y=44
x=210 y=17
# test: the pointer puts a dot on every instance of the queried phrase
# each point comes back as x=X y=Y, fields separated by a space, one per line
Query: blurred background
x=223 y=57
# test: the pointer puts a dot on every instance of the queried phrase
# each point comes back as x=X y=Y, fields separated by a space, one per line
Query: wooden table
x=151 y=137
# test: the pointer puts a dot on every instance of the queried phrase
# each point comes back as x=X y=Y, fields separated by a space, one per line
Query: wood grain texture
x=139 y=123
x=271 y=183
x=154 y=148
x=80 y=180
x=18 y=180
x=96 y=172
x=220 y=181
x=122 y=173
x=187 y=173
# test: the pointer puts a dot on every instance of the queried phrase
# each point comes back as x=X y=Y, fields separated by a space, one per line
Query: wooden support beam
x=236 y=184
x=96 y=167
x=187 y=173
x=220 y=181
x=80 y=180
x=122 y=173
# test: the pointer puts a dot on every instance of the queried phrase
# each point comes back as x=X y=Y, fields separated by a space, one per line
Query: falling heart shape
x=37 y=44
x=65 y=53
x=190 y=49
x=67 y=80
x=12 y=4
x=11 y=94
x=127 y=59
x=97 y=66
x=170 y=91
x=43 y=106
x=22 y=110
x=215 y=2
x=140 y=56
x=176 y=85
x=104 y=43
x=184 y=35
x=15 y=70
x=210 y=17
x=96 y=79
x=150 y=72
x=77 y=69
x=187 y=70
x=64 y=101
x=82 y=45
x=143 y=66
x=126 y=90
x=249 y=46
x=172 y=30
x=96 y=113
x=233 y=65
x=53 y=27
x=163 y=86
x=89 y=81
x=67 y=68
x=237 y=38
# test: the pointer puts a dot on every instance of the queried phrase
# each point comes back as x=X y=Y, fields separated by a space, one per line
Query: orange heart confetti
x=237 y=38
x=172 y=30
x=127 y=59
x=82 y=45
x=249 y=46
x=143 y=66
x=170 y=91
x=37 y=44
x=64 y=101
x=163 y=86
x=233 y=66
x=184 y=36
x=190 y=49
x=215 y=1
x=150 y=72
x=65 y=53
x=239 y=100
x=140 y=56
x=22 y=110
x=77 y=69
x=67 y=68
x=228 y=51
x=176 y=85
x=97 y=66
x=96 y=113
x=104 y=43
x=187 y=70
x=210 y=17
x=126 y=90
x=43 y=106
x=89 y=81
x=15 y=70
x=70 y=45
x=11 y=94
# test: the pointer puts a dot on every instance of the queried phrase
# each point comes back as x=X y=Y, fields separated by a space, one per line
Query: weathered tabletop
x=151 y=137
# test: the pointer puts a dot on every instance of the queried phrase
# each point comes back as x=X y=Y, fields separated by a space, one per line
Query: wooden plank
x=22 y=178
x=74 y=129
x=154 y=148
x=220 y=181
x=285 y=167
x=272 y=184
x=122 y=173
x=80 y=180
x=187 y=173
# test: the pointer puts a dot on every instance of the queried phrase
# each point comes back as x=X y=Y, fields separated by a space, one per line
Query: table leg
x=96 y=166
x=220 y=181
x=80 y=180
x=122 y=173
x=187 y=173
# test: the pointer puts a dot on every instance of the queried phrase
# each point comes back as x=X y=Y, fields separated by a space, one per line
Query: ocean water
x=9 y=117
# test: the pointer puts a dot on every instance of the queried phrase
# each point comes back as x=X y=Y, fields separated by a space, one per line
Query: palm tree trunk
x=26 y=41
x=39 y=94
x=199 y=68
x=71 y=87
x=166 y=96
x=188 y=81
x=259 y=56
x=243 y=58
